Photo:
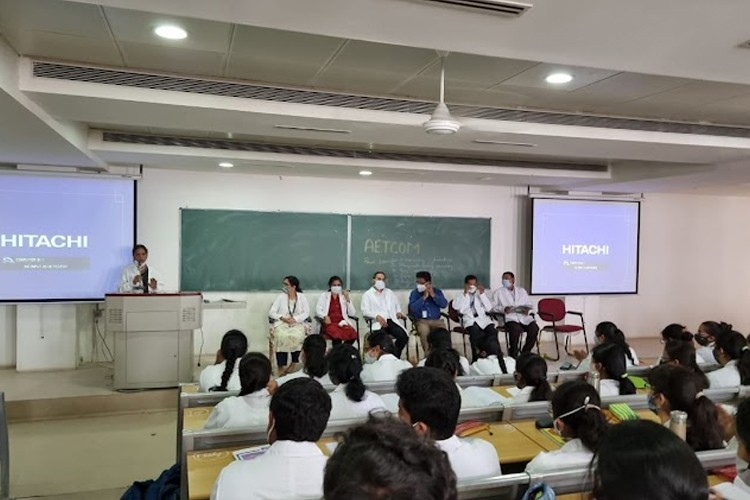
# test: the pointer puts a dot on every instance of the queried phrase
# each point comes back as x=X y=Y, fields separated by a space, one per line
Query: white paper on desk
x=483 y=397
x=250 y=453
x=731 y=492
x=513 y=391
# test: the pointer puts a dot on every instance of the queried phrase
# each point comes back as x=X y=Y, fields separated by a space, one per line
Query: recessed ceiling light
x=365 y=172
x=226 y=164
x=558 y=78
x=170 y=32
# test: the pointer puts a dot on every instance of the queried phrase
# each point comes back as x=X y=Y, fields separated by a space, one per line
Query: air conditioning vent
x=505 y=8
x=115 y=316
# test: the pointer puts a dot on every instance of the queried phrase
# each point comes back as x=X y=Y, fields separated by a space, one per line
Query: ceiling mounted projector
x=441 y=122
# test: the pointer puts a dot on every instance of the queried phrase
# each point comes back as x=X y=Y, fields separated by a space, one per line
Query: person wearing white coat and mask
x=740 y=489
x=733 y=354
x=381 y=365
x=250 y=407
x=474 y=307
x=293 y=466
x=350 y=398
x=705 y=337
x=138 y=276
x=382 y=307
x=335 y=310
x=289 y=312
x=514 y=302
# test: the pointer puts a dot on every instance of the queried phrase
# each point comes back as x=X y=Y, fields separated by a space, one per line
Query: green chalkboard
x=448 y=247
x=233 y=250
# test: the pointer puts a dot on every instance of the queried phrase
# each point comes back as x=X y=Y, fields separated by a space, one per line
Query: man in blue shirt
x=425 y=303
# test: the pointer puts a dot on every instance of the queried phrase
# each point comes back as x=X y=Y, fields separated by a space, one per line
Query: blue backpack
x=539 y=492
x=165 y=487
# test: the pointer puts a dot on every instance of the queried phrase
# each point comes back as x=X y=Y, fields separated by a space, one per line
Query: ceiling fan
x=441 y=122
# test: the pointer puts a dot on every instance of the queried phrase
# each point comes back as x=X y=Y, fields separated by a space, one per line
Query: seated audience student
x=382 y=307
x=314 y=363
x=733 y=354
x=250 y=407
x=675 y=388
x=531 y=379
x=430 y=402
x=683 y=354
x=705 y=337
x=385 y=459
x=740 y=489
x=609 y=361
x=351 y=398
x=514 y=302
x=425 y=303
x=578 y=418
x=223 y=376
x=675 y=331
x=440 y=338
x=294 y=464
x=643 y=460
x=381 y=365
x=138 y=276
x=607 y=332
x=335 y=309
x=289 y=312
x=471 y=397
x=474 y=306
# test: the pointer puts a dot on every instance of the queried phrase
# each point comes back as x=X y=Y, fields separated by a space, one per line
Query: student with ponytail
x=677 y=388
x=733 y=354
x=676 y=331
x=609 y=361
x=607 y=333
x=250 y=407
x=531 y=378
x=705 y=337
x=350 y=398
x=223 y=376
x=449 y=361
x=314 y=363
x=683 y=354
x=576 y=408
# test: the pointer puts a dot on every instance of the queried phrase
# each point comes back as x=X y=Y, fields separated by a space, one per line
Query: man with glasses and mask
x=381 y=306
x=425 y=303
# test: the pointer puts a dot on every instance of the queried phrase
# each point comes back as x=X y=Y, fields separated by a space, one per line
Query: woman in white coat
x=335 y=310
x=350 y=399
x=733 y=354
x=289 y=312
x=251 y=406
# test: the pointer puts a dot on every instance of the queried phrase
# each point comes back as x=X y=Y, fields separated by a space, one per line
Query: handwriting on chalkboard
x=391 y=247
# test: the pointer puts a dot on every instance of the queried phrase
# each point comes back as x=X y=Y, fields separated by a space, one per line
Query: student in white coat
x=514 y=302
x=733 y=354
x=350 y=398
x=440 y=338
x=609 y=361
x=293 y=466
x=289 y=313
x=385 y=458
x=606 y=332
x=448 y=361
x=314 y=363
x=381 y=306
x=683 y=354
x=705 y=337
x=335 y=310
x=224 y=376
x=740 y=489
x=578 y=418
x=138 y=276
x=250 y=408
x=381 y=365
x=531 y=380
x=430 y=402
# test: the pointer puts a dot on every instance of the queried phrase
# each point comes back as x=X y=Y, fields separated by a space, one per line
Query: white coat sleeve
x=350 y=309
x=216 y=419
x=320 y=307
x=460 y=303
x=126 y=280
x=396 y=303
x=367 y=309
x=303 y=308
x=485 y=302
x=275 y=311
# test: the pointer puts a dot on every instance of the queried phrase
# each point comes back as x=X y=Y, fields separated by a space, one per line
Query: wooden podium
x=153 y=337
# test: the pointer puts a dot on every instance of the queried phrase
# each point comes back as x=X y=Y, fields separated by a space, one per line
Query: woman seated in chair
x=335 y=309
x=288 y=313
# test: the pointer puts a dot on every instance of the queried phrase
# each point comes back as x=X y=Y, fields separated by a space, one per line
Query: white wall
x=692 y=264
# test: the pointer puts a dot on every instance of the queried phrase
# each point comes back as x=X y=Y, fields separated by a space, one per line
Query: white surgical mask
x=379 y=285
x=421 y=288
x=336 y=289
x=472 y=289
x=369 y=358
x=507 y=284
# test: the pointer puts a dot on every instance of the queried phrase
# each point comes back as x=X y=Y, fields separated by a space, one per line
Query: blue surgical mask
x=652 y=403
x=507 y=284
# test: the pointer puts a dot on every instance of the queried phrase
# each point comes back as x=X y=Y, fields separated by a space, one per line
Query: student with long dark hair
x=531 y=378
x=607 y=333
x=677 y=388
x=676 y=331
x=644 y=460
x=314 y=363
x=740 y=490
x=576 y=408
x=683 y=354
x=251 y=406
x=609 y=361
x=448 y=360
x=334 y=309
x=705 y=337
x=440 y=338
x=381 y=364
x=223 y=375
x=351 y=398
x=733 y=354
x=289 y=313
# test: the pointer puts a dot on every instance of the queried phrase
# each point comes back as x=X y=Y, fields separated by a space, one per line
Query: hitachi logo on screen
x=43 y=241
x=585 y=249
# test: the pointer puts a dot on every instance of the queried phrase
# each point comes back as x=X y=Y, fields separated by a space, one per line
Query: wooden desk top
x=511 y=444
x=189 y=388
x=193 y=419
x=503 y=390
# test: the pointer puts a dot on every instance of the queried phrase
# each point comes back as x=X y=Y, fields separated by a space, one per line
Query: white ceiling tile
x=68 y=47
x=629 y=86
x=170 y=59
x=82 y=20
x=263 y=43
x=270 y=70
x=696 y=93
x=477 y=71
x=534 y=77
x=130 y=26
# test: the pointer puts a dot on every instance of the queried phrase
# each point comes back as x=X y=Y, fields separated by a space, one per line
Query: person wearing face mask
x=740 y=489
x=335 y=309
x=578 y=418
x=140 y=277
x=289 y=312
x=606 y=332
x=474 y=306
x=381 y=365
x=382 y=307
x=425 y=303
x=293 y=466
x=733 y=354
x=513 y=301
x=706 y=339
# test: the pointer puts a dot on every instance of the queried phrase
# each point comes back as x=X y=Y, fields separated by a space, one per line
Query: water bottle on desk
x=678 y=423
x=594 y=380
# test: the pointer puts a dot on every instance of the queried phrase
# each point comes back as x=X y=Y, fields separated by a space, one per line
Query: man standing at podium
x=139 y=277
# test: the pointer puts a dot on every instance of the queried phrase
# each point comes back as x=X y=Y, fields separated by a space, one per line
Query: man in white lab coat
x=514 y=302
x=474 y=307
x=381 y=365
x=429 y=401
x=381 y=306
x=293 y=466
x=139 y=277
